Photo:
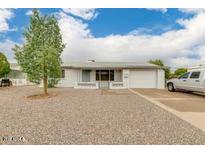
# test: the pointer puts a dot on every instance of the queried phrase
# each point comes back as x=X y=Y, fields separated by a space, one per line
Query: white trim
x=86 y=85
x=117 y=85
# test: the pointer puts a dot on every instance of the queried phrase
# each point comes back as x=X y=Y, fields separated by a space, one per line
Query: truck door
x=181 y=82
x=194 y=81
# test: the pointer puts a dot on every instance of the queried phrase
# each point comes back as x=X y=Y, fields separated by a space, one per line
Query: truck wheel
x=170 y=87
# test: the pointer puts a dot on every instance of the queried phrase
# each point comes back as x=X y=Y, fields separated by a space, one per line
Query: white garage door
x=143 y=78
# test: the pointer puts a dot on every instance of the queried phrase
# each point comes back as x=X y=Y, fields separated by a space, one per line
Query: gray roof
x=108 y=65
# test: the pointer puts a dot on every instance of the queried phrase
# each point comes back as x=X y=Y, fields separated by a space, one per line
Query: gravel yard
x=77 y=116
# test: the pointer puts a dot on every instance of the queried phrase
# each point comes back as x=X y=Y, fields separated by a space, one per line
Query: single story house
x=17 y=77
x=95 y=75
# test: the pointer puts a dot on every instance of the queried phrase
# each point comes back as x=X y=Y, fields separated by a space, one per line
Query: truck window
x=184 y=76
x=195 y=75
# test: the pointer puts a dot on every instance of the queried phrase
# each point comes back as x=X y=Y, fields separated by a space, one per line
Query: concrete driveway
x=76 y=116
x=180 y=101
x=188 y=106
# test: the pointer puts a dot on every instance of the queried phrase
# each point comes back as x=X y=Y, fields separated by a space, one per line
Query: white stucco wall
x=160 y=79
x=118 y=75
x=92 y=76
x=72 y=76
x=143 y=78
x=125 y=77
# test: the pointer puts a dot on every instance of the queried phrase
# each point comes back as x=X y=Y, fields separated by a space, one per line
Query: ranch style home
x=95 y=75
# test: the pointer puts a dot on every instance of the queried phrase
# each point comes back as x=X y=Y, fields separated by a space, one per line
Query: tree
x=180 y=71
x=161 y=63
x=39 y=56
x=4 y=65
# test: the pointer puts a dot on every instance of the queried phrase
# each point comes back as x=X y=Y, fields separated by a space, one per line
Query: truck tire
x=170 y=87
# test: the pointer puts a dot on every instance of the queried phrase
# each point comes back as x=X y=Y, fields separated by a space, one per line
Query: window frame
x=100 y=73
x=181 y=76
x=199 y=72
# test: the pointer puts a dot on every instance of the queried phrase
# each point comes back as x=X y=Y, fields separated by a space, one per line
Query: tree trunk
x=45 y=85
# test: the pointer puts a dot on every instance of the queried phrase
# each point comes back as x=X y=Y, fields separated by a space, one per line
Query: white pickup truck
x=193 y=80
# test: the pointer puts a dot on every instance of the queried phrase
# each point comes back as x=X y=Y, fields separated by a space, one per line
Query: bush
x=4 y=66
x=52 y=82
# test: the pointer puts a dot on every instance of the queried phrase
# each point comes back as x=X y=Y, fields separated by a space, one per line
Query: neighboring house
x=17 y=77
x=113 y=75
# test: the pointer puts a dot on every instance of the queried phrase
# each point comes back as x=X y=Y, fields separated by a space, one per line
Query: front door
x=194 y=81
x=104 y=83
x=181 y=82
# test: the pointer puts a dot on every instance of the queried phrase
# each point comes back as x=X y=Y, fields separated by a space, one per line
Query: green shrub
x=52 y=82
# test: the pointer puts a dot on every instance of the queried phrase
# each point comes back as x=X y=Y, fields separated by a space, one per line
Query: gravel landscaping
x=76 y=116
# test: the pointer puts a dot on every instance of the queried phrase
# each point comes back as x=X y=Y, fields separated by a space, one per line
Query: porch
x=92 y=78
x=100 y=79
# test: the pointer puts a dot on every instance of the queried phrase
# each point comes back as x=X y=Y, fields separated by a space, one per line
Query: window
x=62 y=73
x=184 y=76
x=195 y=75
x=111 y=75
x=97 y=75
x=104 y=75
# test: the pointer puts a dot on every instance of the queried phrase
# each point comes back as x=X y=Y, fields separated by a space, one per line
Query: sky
x=176 y=36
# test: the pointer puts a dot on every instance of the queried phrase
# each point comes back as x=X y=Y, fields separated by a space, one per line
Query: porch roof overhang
x=110 y=65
